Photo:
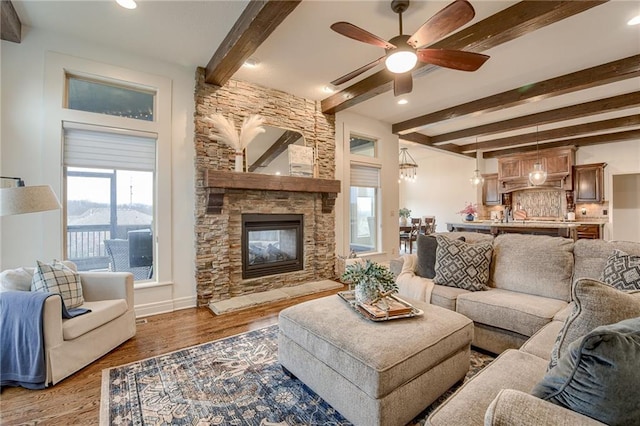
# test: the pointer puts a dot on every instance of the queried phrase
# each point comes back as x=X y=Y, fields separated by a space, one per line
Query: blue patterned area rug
x=232 y=381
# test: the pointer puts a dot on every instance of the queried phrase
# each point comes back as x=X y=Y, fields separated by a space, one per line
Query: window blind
x=99 y=149
x=363 y=176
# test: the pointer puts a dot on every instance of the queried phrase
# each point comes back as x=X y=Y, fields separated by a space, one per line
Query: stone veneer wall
x=218 y=249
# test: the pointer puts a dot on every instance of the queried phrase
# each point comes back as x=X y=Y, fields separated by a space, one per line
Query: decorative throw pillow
x=462 y=265
x=427 y=245
x=622 y=271
x=597 y=375
x=595 y=304
x=58 y=278
x=16 y=280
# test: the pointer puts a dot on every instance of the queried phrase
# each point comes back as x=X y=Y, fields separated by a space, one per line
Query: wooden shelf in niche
x=217 y=182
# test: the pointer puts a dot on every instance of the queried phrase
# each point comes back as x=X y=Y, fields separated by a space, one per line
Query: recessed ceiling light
x=402 y=101
x=634 y=20
x=251 y=63
x=127 y=4
x=328 y=89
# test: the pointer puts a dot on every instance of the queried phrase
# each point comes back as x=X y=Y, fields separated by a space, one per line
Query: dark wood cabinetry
x=588 y=231
x=513 y=170
x=490 y=193
x=589 y=183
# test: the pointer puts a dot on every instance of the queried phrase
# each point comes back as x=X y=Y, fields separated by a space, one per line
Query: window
x=361 y=145
x=109 y=200
x=365 y=181
x=91 y=96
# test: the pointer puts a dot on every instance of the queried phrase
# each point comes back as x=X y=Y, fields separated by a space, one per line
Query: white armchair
x=71 y=344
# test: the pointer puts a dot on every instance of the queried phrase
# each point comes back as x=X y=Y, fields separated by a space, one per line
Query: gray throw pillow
x=599 y=375
x=595 y=304
x=427 y=245
x=58 y=278
x=622 y=271
x=462 y=265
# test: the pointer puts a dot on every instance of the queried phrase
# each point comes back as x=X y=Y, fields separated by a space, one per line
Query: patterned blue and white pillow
x=463 y=265
x=58 y=278
x=622 y=271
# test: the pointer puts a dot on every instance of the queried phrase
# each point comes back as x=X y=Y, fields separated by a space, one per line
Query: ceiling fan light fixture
x=401 y=61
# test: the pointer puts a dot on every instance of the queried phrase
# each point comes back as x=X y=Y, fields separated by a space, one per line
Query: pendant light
x=476 y=179
x=408 y=166
x=538 y=175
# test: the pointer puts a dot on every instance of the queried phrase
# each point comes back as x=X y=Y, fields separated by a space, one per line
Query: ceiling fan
x=404 y=51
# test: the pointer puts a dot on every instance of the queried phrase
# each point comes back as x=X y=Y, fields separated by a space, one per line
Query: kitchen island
x=552 y=228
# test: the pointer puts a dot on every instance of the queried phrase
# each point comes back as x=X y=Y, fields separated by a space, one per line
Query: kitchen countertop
x=530 y=223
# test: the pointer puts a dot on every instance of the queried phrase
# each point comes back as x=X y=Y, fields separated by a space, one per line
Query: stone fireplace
x=225 y=198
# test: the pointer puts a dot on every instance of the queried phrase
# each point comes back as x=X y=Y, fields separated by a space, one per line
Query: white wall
x=442 y=187
x=22 y=153
x=347 y=123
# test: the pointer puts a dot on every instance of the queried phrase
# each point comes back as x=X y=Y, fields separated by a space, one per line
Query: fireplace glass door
x=271 y=244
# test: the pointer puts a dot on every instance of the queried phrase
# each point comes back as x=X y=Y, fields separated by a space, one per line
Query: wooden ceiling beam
x=584 y=141
x=591 y=77
x=258 y=20
x=562 y=132
x=506 y=25
x=424 y=140
x=628 y=100
x=10 y=25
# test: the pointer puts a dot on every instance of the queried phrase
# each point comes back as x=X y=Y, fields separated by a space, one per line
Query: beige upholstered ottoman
x=374 y=373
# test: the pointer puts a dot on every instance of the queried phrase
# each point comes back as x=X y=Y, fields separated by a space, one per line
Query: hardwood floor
x=76 y=400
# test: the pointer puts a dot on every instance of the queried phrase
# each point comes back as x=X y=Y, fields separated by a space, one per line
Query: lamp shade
x=27 y=199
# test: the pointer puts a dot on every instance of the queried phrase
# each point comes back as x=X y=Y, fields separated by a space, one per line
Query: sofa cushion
x=427 y=245
x=541 y=343
x=591 y=256
x=18 y=279
x=58 y=278
x=446 y=297
x=596 y=304
x=533 y=264
x=598 y=374
x=462 y=265
x=512 y=369
x=509 y=310
x=102 y=312
x=622 y=271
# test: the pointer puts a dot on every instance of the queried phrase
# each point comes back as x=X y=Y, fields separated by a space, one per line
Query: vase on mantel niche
x=239 y=162
x=469 y=218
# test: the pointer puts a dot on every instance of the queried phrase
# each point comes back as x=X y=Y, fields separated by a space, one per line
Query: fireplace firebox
x=271 y=244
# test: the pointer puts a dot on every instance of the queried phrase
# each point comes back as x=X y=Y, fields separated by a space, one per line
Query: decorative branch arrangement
x=225 y=130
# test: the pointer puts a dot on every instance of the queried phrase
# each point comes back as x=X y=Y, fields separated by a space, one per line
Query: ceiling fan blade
x=442 y=23
x=357 y=33
x=353 y=74
x=454 y=59
x=402 y=83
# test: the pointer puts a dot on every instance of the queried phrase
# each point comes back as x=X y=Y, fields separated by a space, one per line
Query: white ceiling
x=303 y=54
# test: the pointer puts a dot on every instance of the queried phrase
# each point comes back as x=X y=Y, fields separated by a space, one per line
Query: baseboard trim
x=165 y=306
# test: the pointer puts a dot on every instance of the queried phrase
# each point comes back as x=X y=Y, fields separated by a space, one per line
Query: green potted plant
x=405 y=214
x=370 y=280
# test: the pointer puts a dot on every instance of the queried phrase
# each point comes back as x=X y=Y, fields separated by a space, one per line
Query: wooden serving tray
x=376 y=313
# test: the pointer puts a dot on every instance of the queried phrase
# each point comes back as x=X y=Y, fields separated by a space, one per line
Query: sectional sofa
x=520 y=316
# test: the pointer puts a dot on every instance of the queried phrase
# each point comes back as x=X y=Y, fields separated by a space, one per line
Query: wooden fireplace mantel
x=217 y=182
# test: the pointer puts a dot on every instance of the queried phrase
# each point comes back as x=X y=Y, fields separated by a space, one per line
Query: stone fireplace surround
x=219 y=207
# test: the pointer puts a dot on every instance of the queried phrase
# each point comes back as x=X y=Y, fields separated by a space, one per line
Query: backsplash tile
x=542 y=204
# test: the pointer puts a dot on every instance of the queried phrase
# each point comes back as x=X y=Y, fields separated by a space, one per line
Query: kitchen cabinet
x=490 y=193
x=588 y=232
x=589 y=183
x=513 y=170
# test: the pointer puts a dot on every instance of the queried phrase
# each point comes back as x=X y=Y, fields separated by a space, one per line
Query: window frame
x=57 y=68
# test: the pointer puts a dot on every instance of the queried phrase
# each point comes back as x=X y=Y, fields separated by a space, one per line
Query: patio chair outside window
x=118 y=252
